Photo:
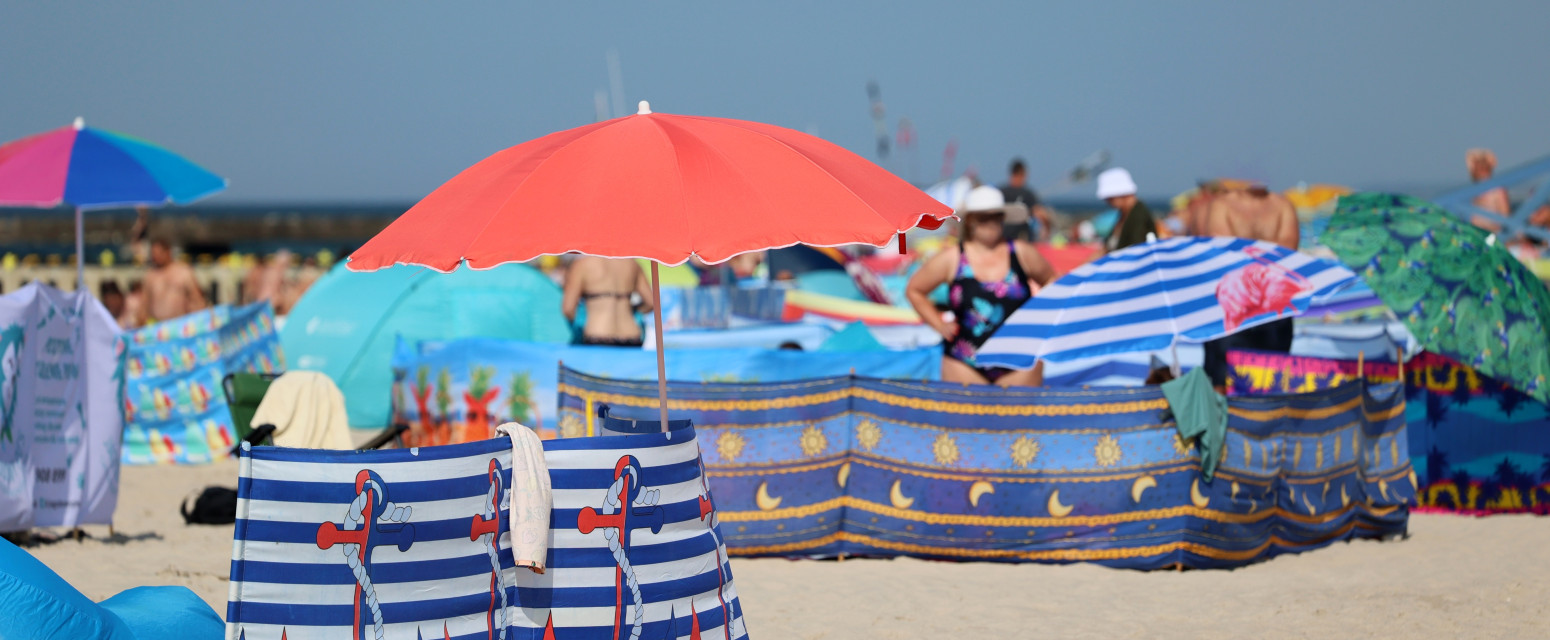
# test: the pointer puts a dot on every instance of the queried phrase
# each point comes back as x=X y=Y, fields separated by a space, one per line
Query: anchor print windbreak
x=413 y=544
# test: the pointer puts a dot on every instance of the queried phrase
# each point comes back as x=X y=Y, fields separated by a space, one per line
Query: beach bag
x=215 y=505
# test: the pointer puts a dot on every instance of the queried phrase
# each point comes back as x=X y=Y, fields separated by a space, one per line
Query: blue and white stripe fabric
x=1149 y=296
x=658 y=570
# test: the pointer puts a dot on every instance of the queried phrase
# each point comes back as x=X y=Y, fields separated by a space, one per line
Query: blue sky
x=385 y=101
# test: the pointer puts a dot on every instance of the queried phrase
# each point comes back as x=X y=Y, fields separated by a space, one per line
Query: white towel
x=531 y=497
x=307 y=411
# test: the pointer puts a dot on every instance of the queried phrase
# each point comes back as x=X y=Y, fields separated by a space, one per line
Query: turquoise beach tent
x=348 y=322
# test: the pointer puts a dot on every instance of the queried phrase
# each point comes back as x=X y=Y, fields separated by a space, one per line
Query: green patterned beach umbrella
x=1459 y=291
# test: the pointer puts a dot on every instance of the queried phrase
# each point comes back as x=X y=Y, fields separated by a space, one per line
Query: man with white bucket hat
x=1116 y=187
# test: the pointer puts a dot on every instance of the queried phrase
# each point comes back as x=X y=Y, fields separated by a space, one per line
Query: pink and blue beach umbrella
x=95 y=169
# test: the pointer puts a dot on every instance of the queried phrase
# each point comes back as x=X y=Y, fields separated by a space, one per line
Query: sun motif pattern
x=814 y=441
x=1182 y=446
x=945 y=449
x=572 y=427
x=1107 y=451
x=1024 y=450
x=868 y=434
x=730 y=445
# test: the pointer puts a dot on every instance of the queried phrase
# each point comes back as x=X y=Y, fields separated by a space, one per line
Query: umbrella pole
x=656 y=325
x=80 y=252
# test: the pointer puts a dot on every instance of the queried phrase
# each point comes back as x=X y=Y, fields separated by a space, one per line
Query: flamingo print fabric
x=1151 y=296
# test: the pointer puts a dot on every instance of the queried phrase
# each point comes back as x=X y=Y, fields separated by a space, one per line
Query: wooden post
x=656 y=314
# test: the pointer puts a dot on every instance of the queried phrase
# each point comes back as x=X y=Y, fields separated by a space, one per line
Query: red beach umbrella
x=655 y=186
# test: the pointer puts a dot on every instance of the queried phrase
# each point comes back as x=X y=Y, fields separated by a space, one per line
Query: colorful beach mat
x=414 y=543
x=858 y=466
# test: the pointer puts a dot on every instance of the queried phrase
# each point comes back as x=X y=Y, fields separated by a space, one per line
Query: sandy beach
x=1454 y=577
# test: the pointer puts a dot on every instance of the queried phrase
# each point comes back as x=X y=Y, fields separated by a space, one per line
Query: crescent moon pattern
x=763 y=499
x=1055 y=508
x=1345 y=499
x=1141 y=485
x=978 y=489
x=1235 y=491
x=1383 y=488
x=844 y=475
x=1309 y=505
x=1195 y=497
x=897 y=497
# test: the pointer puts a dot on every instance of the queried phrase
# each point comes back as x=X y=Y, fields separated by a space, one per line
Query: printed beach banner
x=847 y=465
x=1477 y=444
x=60 y=427
x=175 y=409
x=458 y=391
x=415 y=543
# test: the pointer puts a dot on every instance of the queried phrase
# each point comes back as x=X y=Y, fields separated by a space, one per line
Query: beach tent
x=348 y=322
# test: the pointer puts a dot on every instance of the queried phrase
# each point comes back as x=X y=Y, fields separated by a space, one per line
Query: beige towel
x=307 y=411
x=531 y=498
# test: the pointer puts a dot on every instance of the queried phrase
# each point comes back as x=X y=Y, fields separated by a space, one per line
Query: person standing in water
x=1116 y=187
x=606 y=286
x=987 y=279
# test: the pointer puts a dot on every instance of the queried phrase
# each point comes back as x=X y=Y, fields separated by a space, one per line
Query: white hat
x=1114 y=183
x=988 y=199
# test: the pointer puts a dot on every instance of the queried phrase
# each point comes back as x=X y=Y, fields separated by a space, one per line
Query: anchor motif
x=480 y=527
x=627 y=518
x=707 y=515
x=370 y=488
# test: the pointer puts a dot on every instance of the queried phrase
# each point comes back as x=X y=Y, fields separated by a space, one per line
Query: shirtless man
x=1253 y=213
x=605 y=286
x=1256 y=214
x=170 y=288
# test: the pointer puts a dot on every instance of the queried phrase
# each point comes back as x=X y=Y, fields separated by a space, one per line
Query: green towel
x=1200 y=412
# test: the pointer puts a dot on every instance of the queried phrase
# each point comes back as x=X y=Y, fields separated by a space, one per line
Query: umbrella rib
x=815 y=165
x=683 y=193
x=480 y=235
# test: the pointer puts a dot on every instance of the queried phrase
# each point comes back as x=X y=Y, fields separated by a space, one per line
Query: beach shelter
x=348 y=322
x=1152 y=296
x=91 y=168
x=656 y=186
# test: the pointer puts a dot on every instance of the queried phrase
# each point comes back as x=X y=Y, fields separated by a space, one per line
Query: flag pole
x=656 y=325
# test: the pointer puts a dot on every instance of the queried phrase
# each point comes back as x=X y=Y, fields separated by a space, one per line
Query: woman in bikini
x=987 y=279
x=606 y=286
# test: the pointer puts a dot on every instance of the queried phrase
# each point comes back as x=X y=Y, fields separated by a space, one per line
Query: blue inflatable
x=36 y=603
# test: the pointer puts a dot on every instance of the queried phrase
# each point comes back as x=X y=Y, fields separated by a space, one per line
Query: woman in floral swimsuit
x=987 y=279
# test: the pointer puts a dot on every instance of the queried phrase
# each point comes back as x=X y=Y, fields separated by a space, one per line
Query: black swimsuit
x=610 y=342
x=979 y=308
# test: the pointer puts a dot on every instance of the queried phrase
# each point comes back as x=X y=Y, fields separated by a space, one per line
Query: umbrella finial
x=645 y=109
x=80 y=123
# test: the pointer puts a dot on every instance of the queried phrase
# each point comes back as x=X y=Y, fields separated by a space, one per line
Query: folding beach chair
x=244 y=391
